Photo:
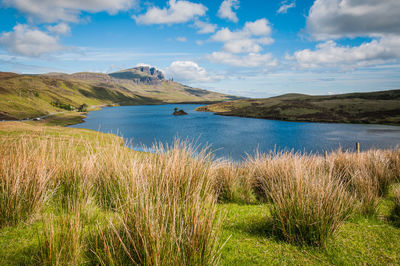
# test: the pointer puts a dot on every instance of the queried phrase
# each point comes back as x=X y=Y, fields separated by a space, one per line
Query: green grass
x=251 y=242
x=359 y=241
x=372 y=108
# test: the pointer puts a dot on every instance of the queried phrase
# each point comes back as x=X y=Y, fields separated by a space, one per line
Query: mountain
x=382 y=107
x=23 y=96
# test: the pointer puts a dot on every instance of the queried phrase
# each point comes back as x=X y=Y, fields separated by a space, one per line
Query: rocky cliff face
x=143 y=74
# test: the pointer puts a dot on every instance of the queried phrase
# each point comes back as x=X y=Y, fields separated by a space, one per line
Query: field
x=368 y=108
x=74 y=197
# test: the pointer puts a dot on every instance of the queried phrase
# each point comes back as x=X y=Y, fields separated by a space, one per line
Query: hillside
x=381 y=107
x=24 y=96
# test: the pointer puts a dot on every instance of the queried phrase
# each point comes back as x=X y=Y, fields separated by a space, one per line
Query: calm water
x=233 y=137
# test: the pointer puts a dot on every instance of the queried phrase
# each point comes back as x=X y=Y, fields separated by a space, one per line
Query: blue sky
x=250 y=48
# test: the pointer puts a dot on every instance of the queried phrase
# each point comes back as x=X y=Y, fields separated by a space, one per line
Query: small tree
x=82 y=108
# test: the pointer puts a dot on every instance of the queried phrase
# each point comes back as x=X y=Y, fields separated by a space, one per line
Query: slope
x=381 y=107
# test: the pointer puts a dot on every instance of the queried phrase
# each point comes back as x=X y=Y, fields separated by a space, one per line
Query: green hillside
x=381 y=107
x=27 y=96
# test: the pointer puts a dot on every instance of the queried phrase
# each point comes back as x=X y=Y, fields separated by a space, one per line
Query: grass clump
x=24 y=176
x=169 y=217
x=233 y=184
x=62 y=241
x=395 y=214
x=309 y=204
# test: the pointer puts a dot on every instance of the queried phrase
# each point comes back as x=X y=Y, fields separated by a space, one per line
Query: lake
x=233 y=137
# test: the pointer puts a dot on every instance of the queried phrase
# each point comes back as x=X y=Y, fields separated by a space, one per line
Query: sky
x=249 y=48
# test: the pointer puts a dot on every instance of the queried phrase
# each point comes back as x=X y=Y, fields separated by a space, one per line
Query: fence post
x=358 y=147
x=325 y=154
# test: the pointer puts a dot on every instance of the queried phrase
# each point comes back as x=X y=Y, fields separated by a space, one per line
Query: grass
x=72 y=196
x=371 y=108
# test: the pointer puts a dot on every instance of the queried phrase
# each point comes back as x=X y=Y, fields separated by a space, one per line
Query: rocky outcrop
x=179 y=112
x=141 y=75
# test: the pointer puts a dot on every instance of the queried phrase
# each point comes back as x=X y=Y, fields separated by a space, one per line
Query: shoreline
x=297 y=121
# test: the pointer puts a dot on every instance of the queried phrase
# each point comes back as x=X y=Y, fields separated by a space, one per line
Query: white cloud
x=61 y=28
x=176 y=12
x=258 y=27
x=181 y=39
x=329 y=54
x=226 y=10
x=204 y=27
x=248 y=40
x=29 y=41
x=249 y=60
x=66 y=10
x=336 y=19
x=189 y=71
x=285 y=6
x=329 y=19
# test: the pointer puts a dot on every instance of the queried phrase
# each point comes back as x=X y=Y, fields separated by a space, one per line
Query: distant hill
x=23 y=96
x=381 y=107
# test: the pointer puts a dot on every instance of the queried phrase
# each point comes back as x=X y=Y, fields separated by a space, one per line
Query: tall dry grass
x=25 y=173
x=169 y=215
x=163 y=205
x=309 y=203
x=233 y=183
x=395 y=215
x=369 y=175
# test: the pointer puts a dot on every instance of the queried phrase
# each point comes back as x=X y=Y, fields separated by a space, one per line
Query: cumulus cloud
x=330 y=54
x=285 y=6
x=176 y=12
x=61 y=28
x=330 y=19
x=242 y=48
x=189 y=71
x=226 y=10
x=181 y=39
x=27 y=41
x=249 y=60
x=66 y=10
x=204 y=27
x=248 y=40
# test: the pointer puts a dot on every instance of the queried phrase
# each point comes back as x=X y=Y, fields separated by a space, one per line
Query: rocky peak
x=141 y=74
x=152 y=71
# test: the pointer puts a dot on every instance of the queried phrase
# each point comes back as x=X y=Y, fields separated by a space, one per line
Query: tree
x=82 y=108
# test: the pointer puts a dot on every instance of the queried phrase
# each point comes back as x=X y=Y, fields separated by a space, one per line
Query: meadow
x=79 y=197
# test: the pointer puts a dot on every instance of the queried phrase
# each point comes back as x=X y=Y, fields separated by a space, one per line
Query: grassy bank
x=72 y=196
x=371 y=108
